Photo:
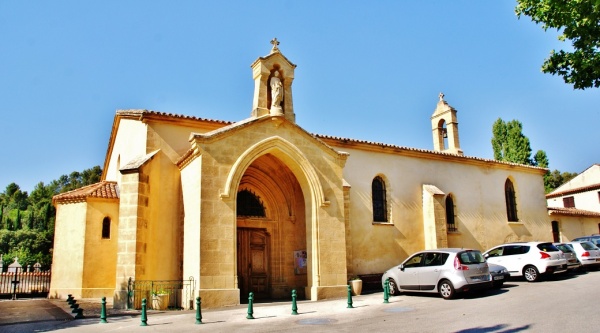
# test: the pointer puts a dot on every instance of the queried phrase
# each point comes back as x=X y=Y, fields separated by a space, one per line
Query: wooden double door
x=253 y=255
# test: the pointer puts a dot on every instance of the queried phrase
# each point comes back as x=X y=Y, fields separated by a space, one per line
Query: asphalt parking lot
x=562 y=303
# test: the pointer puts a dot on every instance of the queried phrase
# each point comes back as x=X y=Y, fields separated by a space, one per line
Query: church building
x=263 y=205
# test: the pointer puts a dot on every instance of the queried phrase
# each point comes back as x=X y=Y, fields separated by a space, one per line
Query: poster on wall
x=300 y=262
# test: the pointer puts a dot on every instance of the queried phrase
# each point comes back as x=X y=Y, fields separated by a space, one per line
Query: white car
x=528 y=259
x=587 y=253
x=443 y=271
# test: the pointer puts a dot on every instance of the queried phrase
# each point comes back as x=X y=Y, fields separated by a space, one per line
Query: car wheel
x=446 y=289
x=531 y=273
x=393 y=288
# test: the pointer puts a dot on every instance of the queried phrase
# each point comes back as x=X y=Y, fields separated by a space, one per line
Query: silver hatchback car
x=443 y=271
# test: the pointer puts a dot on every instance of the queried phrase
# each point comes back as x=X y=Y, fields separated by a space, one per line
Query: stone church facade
x=263 y=205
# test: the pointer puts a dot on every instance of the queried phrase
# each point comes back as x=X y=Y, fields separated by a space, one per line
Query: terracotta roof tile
x=143 y=112
x=104 y=190
x=386 y=145
x=572 y=212
x=573 y=191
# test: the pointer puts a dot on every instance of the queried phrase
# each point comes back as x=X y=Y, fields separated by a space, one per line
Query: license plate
x=480 y=277
x=499 y=277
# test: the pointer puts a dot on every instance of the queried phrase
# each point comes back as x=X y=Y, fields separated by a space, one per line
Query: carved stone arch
x=268 y=190
x=288 y=154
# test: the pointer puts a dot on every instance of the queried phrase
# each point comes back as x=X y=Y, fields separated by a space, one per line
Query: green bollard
x=75 y=307
x=198 y=310
x=103 y=312
x=294 y=305
x=250 y=311
x=73 y=304
x=349 y=298
x=144 y=315
x=386 y=291
x=70 y=299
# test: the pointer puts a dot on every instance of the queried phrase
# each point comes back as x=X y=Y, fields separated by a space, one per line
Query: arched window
x=450 y=214
x=511 y=201
x=249 y=204
x=106 y=228
x=379 y=200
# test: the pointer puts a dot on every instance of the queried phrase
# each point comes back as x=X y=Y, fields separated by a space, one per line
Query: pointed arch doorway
x=271 y=228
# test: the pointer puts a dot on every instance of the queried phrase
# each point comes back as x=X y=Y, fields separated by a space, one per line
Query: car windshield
x=547 y=247
x=564 y=248
x=471 y=258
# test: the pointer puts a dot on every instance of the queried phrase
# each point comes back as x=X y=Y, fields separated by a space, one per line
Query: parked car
x=587 y=253
x=499 y=275
x=528 y=259
x=573 y=264
x=595 y=239
x=443 y=271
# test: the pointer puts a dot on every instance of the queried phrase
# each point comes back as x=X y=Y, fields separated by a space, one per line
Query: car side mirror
x=487 y=255
x=401 y=267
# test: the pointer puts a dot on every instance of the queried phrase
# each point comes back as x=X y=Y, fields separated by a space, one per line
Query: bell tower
x=273 y=76
x=444 y=124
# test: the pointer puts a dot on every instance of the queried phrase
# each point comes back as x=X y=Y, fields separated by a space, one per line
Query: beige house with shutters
x=574 y=207
x=262 y=205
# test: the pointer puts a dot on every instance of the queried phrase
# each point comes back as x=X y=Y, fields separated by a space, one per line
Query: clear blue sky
x=368 y=70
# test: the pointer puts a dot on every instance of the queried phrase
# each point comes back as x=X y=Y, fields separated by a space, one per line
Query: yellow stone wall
x=478 y=191
x=227 y=158
x=69 y=250
x=129 y=142
x=575 y=226
x=100 y=255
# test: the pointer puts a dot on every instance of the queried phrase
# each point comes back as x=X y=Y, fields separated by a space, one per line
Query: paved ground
x=562 y=303
x=42 y=315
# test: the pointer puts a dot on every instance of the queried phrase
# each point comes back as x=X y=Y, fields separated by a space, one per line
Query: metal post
x=250 y=311
x=78 y=313
x=198 y=310
x=144 y=315
x=69 y=298
x=349 y=297
x=386 y=291
x=294 y=305
x=103 y=312
x=74 y=304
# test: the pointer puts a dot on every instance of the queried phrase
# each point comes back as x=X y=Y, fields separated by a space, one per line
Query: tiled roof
x=572 y=212
x=143 y=112
x=573 y=191
x=104 y=190
x=386 y=145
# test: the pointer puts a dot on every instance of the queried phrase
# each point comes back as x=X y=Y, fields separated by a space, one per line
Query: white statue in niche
x=276 y=93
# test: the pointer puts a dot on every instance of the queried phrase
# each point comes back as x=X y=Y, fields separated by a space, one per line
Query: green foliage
x=27 y=221
x=579 y=22
x=557 y=178
x=509 y=143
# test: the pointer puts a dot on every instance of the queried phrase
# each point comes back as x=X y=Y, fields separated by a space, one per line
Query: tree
x=579 y=22
x=509 y=143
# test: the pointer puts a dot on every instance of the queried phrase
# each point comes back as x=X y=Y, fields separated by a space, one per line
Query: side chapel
x=263 y=205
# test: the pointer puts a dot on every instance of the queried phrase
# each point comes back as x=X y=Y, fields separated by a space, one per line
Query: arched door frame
x=308 y=179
